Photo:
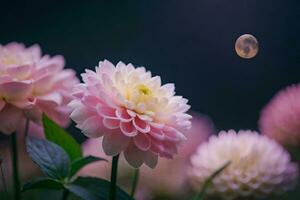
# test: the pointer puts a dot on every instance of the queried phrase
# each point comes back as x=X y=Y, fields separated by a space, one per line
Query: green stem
x=134 y=182
x=113 y=178
x=26 y=127
x=65 y=194
x=3 y=178
x=14 y=150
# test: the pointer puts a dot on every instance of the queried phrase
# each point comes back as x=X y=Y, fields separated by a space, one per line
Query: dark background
x=190 y=43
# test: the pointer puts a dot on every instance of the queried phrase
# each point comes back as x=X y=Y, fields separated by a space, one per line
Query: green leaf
x=59 y=136
x=209 y=180
x=89 y=188
x=81 y=162
x=51 y=158
x=42 y=183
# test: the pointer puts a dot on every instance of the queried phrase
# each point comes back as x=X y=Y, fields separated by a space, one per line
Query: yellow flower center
x=144 y=90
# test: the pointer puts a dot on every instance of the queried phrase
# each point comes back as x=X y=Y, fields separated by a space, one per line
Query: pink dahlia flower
x=132 y=111
x=31 y=84
x=280 y=119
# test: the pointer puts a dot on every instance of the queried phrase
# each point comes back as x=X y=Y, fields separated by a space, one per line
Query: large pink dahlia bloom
x=132 y=111
x=280 y=119
x=31 y=84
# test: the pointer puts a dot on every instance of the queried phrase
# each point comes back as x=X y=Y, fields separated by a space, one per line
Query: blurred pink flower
x=31 y=84
x=168 y=178
x=132 y=111
x=280 y=118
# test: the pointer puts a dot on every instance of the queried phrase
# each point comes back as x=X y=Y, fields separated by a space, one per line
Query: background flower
x=132 y=110
x=280 y=118
x=31 y=84
x=259 y=166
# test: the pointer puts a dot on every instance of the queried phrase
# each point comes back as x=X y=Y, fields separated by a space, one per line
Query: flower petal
x=92 y=127
x=134 y=156
x=114 y=142
x=142 y=141
x=151 y=159
x=2 y=104
x=15 y=90
x=10 y=118
x=128 y=129
x=141 y=125
x=111 y=123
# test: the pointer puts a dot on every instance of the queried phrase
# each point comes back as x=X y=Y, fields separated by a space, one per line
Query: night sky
x=190 y=43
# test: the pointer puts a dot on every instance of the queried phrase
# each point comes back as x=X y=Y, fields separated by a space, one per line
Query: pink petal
x=128 y=129
x=172 y=134
x=91 y=101
x=25 y=104
x=157 y=133
x=142 y=141
x=2 y=104
x=151 y=159
x=92 y=127
x=134 y=156
x=123 y=115
x=5 y=78
x=20 y=72
x=141 y=125
x=131 y=113
x=114 y=142
x=15 y=90
x=10 y=118
x=54 y=97
x=43 y=84
x=111 y=123
x=80 y=113
x=170 y=148
x=106 y=112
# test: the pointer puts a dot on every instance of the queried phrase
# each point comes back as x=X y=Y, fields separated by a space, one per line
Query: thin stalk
x=65 y=194
x=113 y=178
x=26 y=127
x=3 y=178
x=134 y=182
x=14 y=150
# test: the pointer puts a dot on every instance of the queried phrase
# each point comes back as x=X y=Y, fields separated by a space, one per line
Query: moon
x=246 y=46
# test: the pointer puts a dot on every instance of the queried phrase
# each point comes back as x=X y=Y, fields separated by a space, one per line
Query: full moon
x=246 y=46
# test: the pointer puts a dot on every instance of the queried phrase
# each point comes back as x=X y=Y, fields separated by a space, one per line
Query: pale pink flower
x=31 y=84
x=260 y=167
x=133 y=112
x=280 y=118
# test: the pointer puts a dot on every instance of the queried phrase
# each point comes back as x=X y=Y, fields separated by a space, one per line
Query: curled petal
x=128 y=129
x=141 y=125
x=123 y=115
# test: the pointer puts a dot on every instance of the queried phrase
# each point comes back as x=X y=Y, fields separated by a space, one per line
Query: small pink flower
x=280 y=119
x=132 y=111
x=31 y=84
